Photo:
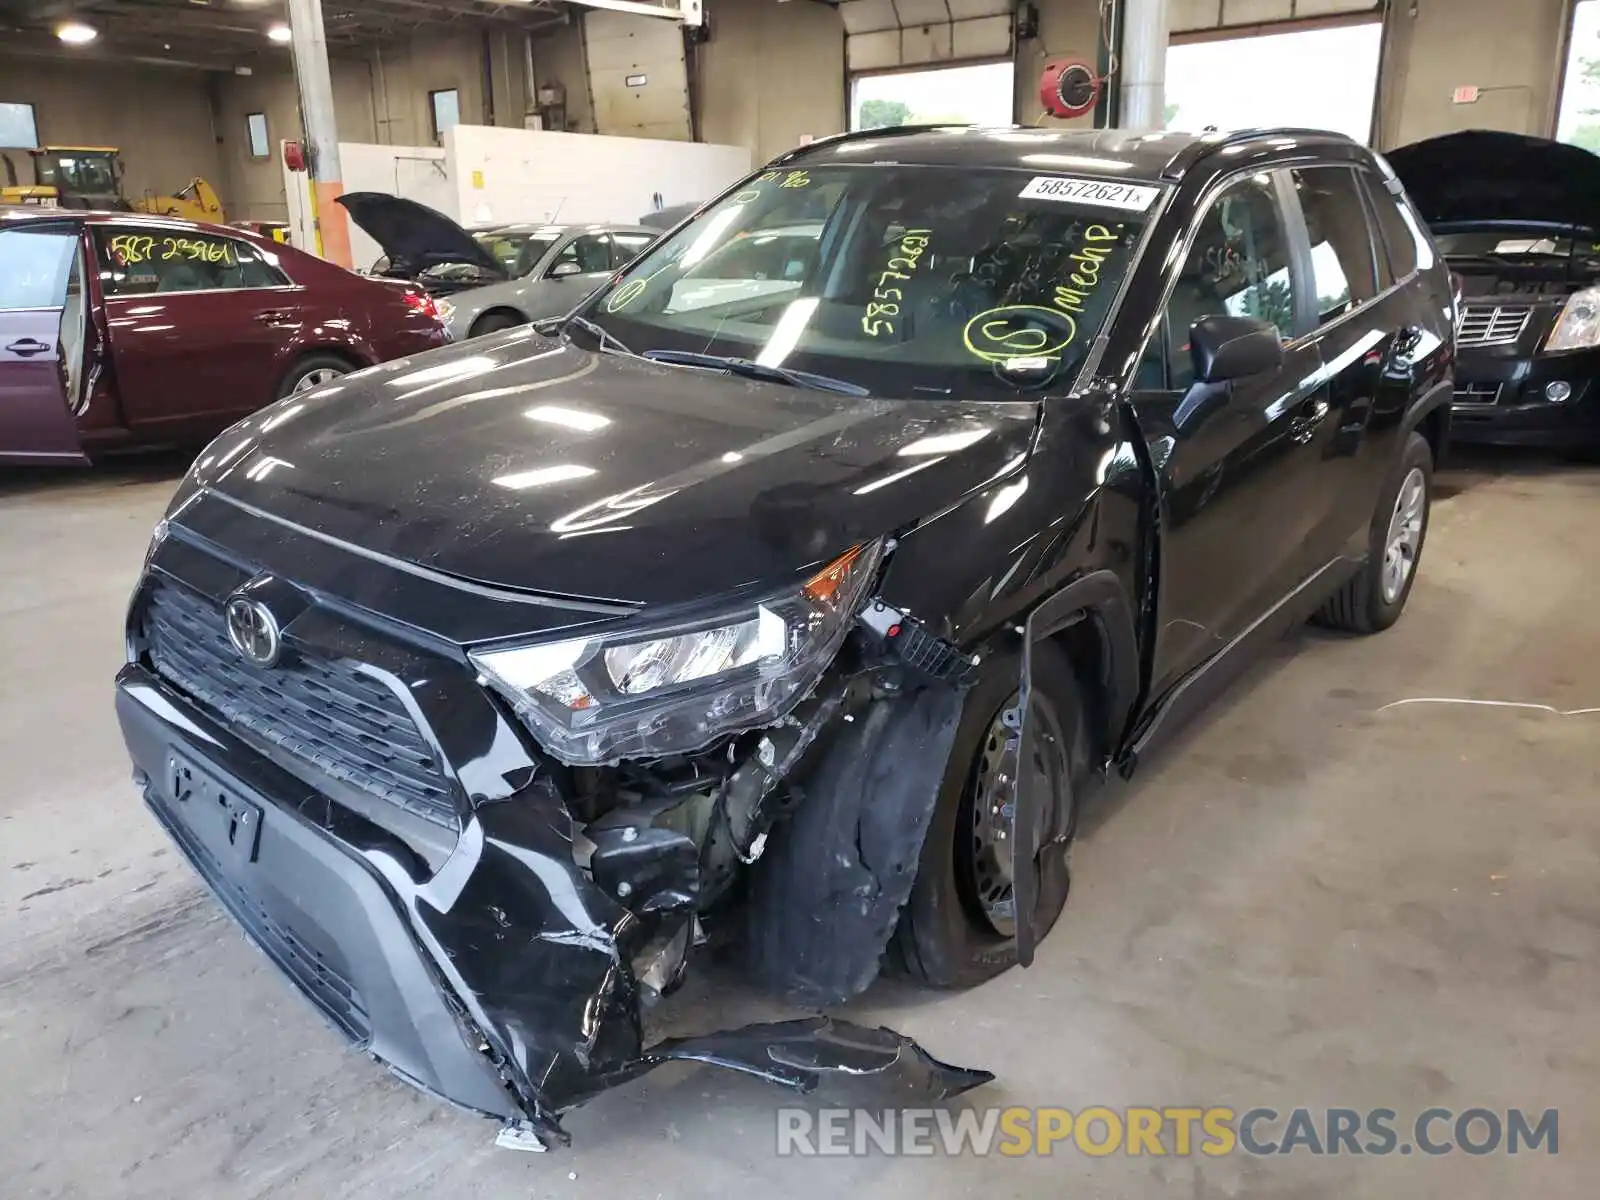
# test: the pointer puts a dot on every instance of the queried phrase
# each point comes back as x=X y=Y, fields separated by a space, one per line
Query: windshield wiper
x=751 y=369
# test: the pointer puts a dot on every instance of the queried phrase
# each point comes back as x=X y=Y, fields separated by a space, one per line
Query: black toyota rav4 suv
x=793 y=609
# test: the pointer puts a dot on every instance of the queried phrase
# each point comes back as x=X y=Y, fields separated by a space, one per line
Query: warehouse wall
x=252 y=188
x=558 y=57
x=770 y=73
x=1513 y=51
x=160 y=118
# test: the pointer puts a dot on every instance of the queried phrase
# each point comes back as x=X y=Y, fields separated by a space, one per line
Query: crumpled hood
x=530 y=464
x=1486 y=175
x=415 y=236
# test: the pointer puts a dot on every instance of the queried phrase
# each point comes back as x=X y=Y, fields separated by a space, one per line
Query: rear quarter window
x=1399 y=243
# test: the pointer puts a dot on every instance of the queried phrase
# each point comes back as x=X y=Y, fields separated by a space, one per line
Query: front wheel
x=959 y=927
x=1375 y=597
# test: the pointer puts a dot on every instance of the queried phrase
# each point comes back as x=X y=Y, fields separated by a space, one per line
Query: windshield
x=91 y=173
x=903 y=280
x=518 y=253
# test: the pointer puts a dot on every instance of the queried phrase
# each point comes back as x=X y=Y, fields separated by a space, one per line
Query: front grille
x=326 y=713
x=1476 y=395
x=1491 y=325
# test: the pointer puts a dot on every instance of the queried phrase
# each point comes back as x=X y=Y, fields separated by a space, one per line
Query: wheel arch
x=1092 y=620
x=1430 y=417
x=498 y=310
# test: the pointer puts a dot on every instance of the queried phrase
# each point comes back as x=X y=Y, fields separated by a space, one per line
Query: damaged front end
x=509 y=970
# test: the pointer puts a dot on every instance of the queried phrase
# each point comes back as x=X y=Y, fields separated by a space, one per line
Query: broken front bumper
x=501 y=981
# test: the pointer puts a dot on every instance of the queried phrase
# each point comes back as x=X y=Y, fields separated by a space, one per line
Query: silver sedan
x=549 y=269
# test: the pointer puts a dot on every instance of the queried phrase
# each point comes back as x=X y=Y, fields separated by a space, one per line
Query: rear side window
x=143 y=262
x=1342 y=262
x=34 y=265
x=1398 y=240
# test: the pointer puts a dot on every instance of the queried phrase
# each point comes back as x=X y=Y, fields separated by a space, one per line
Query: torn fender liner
x=825 y=897
x=834 y=1058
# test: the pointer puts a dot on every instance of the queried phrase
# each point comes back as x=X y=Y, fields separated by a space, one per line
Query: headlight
x=1578 y=326
x=643 y=693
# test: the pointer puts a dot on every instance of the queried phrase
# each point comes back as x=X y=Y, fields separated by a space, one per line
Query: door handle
x=27 y=347
x=1304 y=427
x=276 y=315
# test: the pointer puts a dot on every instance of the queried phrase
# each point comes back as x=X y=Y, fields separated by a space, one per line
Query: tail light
x=426 y=305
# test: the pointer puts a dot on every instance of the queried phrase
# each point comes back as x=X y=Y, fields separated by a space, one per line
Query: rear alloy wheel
x=959 y=927
x=312 y=371
x=1373 y=599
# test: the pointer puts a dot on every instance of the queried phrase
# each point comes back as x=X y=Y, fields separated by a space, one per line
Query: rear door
x=197 y=322
x=1357 y=331
x=43 y=335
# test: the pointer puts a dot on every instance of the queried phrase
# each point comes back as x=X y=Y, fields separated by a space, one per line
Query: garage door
x=1194 y=16
x=637 y=75
x=884 y=34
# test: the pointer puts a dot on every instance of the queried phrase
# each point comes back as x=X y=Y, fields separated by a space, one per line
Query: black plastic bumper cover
x=500 y=982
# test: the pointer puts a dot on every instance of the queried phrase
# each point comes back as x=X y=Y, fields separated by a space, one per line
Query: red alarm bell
x=1068 y=88
x=294 y=156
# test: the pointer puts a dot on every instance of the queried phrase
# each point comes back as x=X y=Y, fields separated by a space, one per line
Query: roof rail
x=1210 y=141
x=854 y=135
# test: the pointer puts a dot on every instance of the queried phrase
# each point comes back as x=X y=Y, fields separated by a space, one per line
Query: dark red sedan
x=119 y=330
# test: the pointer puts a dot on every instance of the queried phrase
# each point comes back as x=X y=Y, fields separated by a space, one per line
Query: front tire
x=494 y=322
x=958 y=928
x=1373 y=599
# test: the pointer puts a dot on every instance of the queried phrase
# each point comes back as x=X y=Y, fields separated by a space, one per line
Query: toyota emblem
x=253 y=630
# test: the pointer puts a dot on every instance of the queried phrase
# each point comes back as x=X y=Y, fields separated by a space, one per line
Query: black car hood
x=1486 y=175
x=415 y=236
x=529 y=464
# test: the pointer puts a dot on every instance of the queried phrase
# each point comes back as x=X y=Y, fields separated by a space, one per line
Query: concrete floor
x=1311 y=899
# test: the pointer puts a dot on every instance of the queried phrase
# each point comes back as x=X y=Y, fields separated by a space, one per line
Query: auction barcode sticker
x=1090 y=191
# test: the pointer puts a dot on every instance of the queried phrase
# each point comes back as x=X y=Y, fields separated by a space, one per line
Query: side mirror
x=563 y=269
x=1225 y=348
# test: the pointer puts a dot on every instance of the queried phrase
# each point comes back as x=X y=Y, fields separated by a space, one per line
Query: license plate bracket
x=227 y=823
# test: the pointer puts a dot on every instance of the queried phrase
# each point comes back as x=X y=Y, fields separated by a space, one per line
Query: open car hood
x=414 y=236
x=1486 y=175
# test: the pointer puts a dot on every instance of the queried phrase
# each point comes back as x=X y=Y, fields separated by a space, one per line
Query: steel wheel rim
x=316 y=378
x=991 y=826
x=1405 y=534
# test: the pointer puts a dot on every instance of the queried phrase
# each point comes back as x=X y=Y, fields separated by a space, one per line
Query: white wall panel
x=530 y=175
x=621 y=47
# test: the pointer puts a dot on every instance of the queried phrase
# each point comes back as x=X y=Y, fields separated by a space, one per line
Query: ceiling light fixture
x=279 y=32
x=76 y=33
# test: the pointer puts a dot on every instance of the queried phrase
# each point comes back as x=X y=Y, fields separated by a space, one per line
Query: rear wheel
x=1376 y=596
x=313 y=370
x=959 y=927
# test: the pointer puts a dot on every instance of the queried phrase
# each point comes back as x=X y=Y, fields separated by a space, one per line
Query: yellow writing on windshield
x=1019 y=331
x=885 y=303
x=1085 y=262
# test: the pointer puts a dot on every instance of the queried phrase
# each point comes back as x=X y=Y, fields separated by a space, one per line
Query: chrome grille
x=327 y=713
x=1491 y=325
x=1476 y=395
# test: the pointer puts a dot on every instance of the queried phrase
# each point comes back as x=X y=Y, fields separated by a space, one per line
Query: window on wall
x=973 y=95
x=18 y=130
x=445 y=108
x=256 y=124
x=1312 y=78
x=1579 y=122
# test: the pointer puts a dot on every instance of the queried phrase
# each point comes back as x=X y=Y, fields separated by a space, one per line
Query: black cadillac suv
x=1517 y=220
x=794 y=613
